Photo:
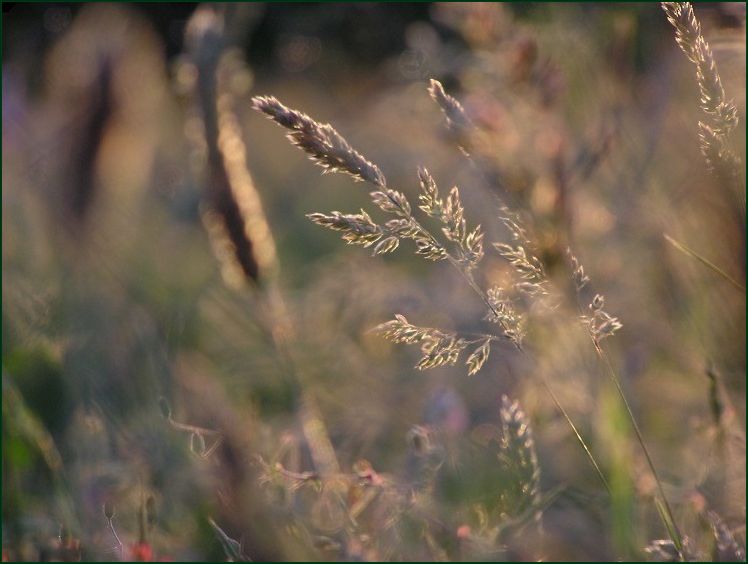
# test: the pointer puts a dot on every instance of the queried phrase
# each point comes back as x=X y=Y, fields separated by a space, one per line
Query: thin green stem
x=713 y=267
x=192 y=428
x=577 y=434
x=114 y=533
x=668 y=517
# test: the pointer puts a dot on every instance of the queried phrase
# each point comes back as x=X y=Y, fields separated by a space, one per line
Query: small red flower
x=141 y=552
x=463 y=532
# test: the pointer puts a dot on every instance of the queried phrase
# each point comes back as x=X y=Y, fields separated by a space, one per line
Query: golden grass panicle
x=458 y=121
x=517 y=451
x=439 y=348
x=325 y=146
x=721 y=114
x=599 y=323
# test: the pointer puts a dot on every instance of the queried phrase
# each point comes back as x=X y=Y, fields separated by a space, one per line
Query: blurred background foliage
x=135 y=376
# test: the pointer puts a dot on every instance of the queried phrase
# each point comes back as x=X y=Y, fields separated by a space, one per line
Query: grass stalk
x=578 y=435
x=328 y=149
x=713 y=267
x=667 y=512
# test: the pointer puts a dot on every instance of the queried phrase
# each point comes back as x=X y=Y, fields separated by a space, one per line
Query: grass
x=177 y=383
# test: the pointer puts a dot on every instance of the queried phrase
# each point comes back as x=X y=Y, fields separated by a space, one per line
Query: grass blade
x=693 y=254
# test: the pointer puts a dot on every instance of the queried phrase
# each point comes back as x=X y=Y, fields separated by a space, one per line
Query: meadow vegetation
x=531 y=347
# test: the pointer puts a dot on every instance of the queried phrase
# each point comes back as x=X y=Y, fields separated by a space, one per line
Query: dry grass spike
x=721 y=114
x=233 y=213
